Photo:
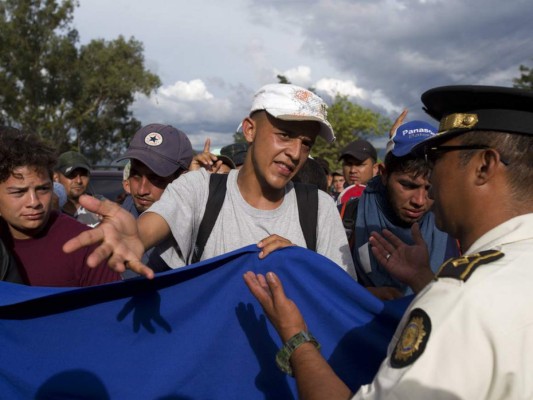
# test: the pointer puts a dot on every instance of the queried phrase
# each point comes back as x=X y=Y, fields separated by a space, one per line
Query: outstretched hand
x=280 y=310
x=117 y=236
x=407 y=263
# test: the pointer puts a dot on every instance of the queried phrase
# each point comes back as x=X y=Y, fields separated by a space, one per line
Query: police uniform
x=468 y=337
x=469 y=333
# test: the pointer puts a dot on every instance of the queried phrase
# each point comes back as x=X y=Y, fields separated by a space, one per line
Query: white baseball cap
x=293 y=103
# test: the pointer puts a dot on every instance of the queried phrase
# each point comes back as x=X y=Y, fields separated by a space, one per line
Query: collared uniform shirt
x=479 y=340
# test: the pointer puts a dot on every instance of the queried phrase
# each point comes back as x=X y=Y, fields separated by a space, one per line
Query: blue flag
x=193 y=333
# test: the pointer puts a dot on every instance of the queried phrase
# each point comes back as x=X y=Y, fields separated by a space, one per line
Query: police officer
x=469 y=332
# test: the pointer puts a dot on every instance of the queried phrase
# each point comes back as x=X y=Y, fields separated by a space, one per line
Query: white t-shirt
x=239 y=224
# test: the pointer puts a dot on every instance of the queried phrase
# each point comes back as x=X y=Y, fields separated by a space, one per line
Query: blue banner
x=193 y=333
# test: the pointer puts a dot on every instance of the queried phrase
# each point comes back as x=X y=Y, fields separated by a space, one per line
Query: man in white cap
x=260 y=205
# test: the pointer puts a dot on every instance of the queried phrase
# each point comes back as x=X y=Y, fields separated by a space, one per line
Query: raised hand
x=205 y=159
x=397 y=123
x=407 y=263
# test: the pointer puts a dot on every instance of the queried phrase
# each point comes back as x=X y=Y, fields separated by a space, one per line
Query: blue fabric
x=375 y=214
x=191 y=333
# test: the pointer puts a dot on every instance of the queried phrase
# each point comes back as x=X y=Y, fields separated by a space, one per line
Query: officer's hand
x=117 y=238
x=272 y=243
x=280 y=310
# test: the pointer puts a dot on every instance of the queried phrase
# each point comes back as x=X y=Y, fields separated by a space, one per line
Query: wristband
x=285 y=353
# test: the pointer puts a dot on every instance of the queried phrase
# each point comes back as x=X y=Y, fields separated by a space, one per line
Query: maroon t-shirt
x=42 y=261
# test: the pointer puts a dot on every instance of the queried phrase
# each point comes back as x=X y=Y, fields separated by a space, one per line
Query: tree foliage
x=350 y=122
x=78 y=97
x=526 y=78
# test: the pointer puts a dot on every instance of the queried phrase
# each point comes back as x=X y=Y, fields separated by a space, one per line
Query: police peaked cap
x=462 y=109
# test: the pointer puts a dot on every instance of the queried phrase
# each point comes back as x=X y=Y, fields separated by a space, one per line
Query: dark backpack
x=306 y=196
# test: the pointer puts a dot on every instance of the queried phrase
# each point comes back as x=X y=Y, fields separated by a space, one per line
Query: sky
x=212 y=55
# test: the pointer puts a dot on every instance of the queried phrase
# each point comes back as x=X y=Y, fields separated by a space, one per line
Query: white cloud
x=300 y=75
x=194 y=90
x=383 y=54
x=333 y=87
x=191 y=107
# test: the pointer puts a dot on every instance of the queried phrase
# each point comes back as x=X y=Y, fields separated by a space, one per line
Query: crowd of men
x=463 y=188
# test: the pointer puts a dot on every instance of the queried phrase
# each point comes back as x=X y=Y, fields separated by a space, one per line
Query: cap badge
x=153 y=139
x=458 y=121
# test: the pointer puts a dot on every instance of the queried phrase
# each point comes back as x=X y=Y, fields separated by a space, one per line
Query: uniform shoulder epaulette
x=463 y=267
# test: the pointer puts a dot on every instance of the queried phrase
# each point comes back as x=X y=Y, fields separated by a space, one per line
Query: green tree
x=526 y=78
x=350 y=122
x=78 y=97
x=238 y=136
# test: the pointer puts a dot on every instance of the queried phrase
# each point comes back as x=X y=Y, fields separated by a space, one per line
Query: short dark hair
x=19 y=148
x=408 y=164
x=313 y=173
x=515 y=149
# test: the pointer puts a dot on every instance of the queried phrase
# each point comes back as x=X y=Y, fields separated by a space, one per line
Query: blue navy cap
x=162 y=148
x=408 y=135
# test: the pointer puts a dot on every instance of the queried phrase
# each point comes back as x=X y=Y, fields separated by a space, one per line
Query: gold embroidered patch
x=458 y=121
x=463 y=267
x=413 y=339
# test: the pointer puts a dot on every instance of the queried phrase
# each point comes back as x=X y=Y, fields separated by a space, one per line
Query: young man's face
x=338 y=183
x=75 y=182
x=145 y=186
x=25 y=201
x=358 y=172
x=280 y=148
x=408 y=195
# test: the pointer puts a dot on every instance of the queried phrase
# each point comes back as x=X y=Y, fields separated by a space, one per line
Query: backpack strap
x=217 y=194
x=348 y=212
x=307 y=199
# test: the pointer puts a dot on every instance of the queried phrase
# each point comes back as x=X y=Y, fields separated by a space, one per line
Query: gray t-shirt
x=239 y=224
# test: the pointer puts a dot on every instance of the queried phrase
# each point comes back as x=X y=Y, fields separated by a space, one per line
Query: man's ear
x=55 y=177
x=126 y=185
x=383 y=173
x=377 y=168
x=248 y=129
x=487 y=165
